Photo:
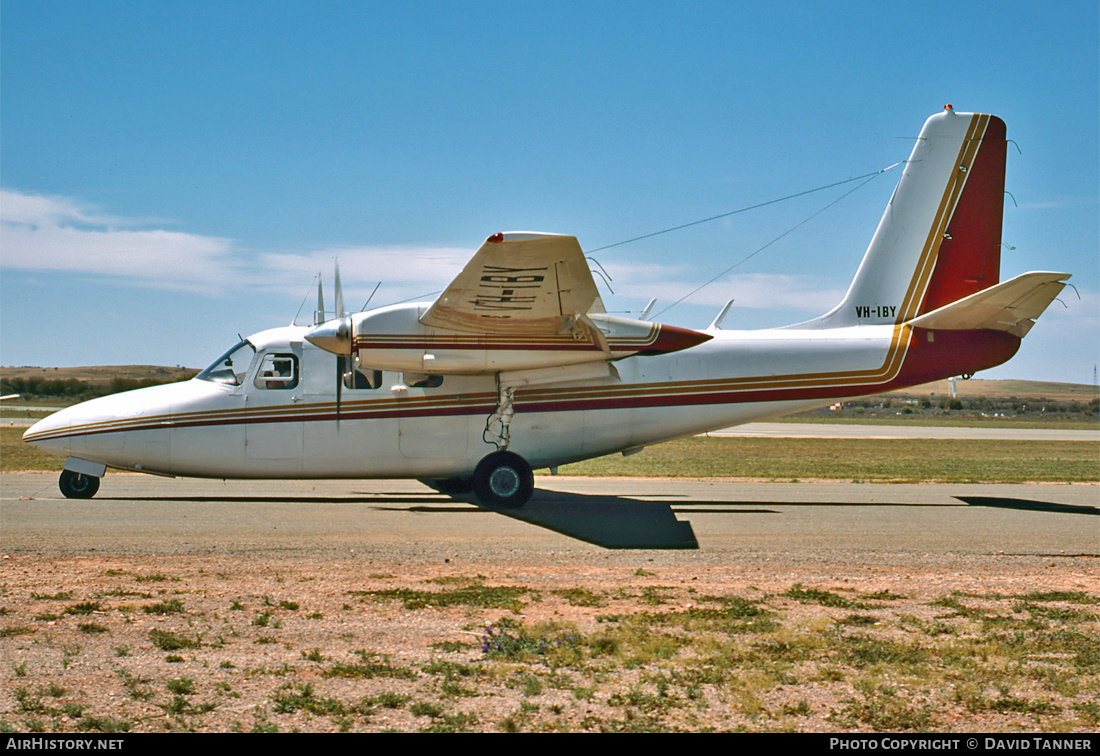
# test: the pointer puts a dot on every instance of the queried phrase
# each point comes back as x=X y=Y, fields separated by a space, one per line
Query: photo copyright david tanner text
x=967 y=743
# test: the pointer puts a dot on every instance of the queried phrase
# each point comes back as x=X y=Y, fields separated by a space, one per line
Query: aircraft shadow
x=1027 y=504
x=411 y=499
x=612 y=522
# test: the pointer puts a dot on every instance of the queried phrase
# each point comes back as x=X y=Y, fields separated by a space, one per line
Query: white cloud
x=405 y=272
x=400 y=265
x=59 y=234
x=1076 y=310
x=775 y=291
x=41 y=233
x=34 y=210
x=1062 y=202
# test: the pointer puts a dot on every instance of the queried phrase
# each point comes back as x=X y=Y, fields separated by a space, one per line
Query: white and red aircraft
x=517 y=366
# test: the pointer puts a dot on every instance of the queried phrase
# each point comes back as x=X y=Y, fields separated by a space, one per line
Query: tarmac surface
x=144 y=515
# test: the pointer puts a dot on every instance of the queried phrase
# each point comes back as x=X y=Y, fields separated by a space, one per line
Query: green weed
x=172 y=606
x=303 y=698
x=85 y=607
x=169 y=641
x=824 y=598
x=369 y=666
x=478 y=595
x=182 y=686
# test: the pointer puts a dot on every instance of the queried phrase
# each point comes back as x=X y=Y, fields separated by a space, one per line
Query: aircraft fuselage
x=263 y=429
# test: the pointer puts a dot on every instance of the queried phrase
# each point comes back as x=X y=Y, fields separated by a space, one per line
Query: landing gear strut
x=78 y=485
x=503 y=480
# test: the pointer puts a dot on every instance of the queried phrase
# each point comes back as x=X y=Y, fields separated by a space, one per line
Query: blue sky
x=176 y=173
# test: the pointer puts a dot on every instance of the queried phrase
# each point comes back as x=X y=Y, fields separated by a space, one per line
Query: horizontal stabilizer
x=1011 y=306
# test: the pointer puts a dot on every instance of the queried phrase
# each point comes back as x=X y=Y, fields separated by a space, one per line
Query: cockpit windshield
x=232 y=367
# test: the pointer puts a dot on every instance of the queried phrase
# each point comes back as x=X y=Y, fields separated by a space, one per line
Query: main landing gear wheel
x=503 y=480
x=77 y=485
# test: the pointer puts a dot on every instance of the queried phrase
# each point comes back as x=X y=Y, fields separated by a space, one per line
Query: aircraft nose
x=131 y=430
x=51 y=433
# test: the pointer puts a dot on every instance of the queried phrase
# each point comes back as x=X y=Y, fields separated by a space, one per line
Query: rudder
x=969 y=258
x=939 y=239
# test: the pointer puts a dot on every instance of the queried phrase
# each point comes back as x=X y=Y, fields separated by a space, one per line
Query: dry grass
x=894 y=460
x=16 y=456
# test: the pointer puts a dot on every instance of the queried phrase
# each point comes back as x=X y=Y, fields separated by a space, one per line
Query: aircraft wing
x=1011 y=306
x=529 y=283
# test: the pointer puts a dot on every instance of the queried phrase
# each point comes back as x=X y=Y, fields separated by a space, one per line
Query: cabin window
x=362 y=378
x=419 y=380
x=277 y=371
x=231 y=367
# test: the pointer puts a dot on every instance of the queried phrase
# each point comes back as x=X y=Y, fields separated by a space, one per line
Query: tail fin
x=940 y=237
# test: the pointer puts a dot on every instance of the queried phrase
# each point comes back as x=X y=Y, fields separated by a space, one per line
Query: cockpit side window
x=277 y=371
x=232 y=367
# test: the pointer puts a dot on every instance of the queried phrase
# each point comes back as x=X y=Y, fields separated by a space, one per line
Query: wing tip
x=520 y=236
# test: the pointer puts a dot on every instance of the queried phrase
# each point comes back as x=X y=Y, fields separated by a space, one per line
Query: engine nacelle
x=393 y=338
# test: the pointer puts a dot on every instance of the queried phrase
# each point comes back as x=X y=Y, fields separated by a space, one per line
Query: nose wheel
x=78 y=485
x=503 y=480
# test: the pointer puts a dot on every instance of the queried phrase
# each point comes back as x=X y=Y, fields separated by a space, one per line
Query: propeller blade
x=339 y=386
x=319 y=315
x=339 y=294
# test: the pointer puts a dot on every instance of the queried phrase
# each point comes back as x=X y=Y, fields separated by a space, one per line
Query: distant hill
x=100 y=373
x=1079 y=392
x=82 y=382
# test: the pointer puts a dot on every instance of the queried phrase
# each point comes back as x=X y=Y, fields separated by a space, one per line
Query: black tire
x=503 y=480
x=451 y=486
x=77 y=485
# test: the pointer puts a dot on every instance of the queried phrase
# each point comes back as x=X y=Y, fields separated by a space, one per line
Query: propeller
x=340 y=313
x=341 y=359
x=319 y=314
x=333 y=335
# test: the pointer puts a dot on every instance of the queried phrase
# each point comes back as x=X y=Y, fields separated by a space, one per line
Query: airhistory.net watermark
x=39 y=743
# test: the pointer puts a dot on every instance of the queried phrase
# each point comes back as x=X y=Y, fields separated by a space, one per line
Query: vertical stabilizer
x=940 y=237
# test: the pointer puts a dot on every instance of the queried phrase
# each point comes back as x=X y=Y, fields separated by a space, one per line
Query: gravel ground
x=287 y=641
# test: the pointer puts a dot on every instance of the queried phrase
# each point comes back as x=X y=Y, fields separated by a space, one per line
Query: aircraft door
x=274 y=431
x=431 y=421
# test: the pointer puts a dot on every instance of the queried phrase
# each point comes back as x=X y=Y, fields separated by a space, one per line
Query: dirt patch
x=295 y=643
